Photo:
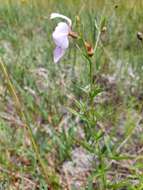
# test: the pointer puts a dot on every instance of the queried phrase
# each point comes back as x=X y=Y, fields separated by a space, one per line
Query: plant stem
x=97 y=41
x=90 y=77
x=50 y=176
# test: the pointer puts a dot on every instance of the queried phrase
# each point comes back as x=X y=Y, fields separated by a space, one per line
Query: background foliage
x=47 y=91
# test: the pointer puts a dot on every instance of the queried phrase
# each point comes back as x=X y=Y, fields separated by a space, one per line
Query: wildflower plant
x=97 y=141
x=84 y=108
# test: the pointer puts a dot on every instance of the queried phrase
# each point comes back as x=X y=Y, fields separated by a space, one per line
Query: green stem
x=50 y=176
x=97 y=41
x=91 y=76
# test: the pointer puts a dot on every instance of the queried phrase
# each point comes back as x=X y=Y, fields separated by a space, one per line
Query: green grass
x=56 y=98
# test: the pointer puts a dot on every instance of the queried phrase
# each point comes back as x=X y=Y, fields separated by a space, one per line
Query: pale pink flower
x=60 y=36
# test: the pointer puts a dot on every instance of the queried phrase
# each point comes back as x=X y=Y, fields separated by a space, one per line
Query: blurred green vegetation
x=44 y=88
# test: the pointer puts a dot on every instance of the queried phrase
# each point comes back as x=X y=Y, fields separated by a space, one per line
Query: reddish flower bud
x=89 y=48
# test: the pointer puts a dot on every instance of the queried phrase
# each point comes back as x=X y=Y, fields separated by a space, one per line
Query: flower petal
x=58 y=53
x=57 y=15
x=62 y=27
x=60 y=35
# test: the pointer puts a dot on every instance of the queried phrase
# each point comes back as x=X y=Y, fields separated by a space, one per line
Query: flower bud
x=104 y=29
x=89 y=48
